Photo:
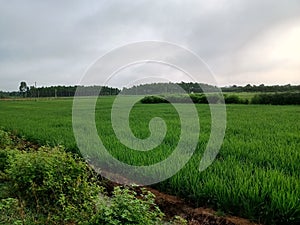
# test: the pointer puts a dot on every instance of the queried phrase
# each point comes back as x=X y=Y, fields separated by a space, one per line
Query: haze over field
x=243 y=42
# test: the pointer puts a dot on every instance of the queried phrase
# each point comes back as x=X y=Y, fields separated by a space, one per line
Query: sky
x=56 y=42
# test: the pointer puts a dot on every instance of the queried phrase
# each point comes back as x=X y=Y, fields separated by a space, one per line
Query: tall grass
x=256 y=173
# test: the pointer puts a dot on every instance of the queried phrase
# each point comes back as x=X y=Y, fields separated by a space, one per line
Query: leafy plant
x=4 y=139
x=10 y=211
x=52 y=186
x=51 y=181
x=153 y=99
x=127 y=207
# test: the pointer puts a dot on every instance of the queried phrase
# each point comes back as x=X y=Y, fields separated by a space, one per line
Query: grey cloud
x=58 y=39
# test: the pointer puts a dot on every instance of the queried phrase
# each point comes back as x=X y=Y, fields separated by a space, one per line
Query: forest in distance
x=153 y=88
x=177 y=92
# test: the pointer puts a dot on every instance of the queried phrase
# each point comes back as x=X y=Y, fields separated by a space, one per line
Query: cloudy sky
x=55 y=42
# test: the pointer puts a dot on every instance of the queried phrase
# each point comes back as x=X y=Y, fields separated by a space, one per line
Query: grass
x=256 y=173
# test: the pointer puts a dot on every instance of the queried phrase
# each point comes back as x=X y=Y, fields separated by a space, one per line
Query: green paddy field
x=255 y=175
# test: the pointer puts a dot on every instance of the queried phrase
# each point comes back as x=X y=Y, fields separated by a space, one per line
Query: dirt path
x=172 y=205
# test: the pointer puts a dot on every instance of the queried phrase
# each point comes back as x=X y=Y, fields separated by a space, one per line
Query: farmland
x=256 y=173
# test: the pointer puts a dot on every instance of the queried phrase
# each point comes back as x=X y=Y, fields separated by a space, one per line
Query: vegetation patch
x=266 y=99
x=194 y=98
x=51 y=186
x=277 y=99
x=255 y=175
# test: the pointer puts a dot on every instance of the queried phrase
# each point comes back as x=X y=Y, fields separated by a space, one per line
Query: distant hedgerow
x=194 y=98
x=277 y=99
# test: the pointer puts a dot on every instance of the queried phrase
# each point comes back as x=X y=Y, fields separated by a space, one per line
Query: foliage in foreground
x=51 y=186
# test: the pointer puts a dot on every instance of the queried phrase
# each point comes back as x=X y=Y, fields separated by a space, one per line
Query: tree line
x=170 y=88
x=190 y=87
x=58 y=91
x=262 y=88
x=143 y=89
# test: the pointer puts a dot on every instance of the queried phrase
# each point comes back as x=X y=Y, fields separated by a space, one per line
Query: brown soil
x=22 y=144
x=172 y=205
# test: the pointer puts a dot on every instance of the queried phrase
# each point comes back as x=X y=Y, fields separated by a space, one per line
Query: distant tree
x=23 y=88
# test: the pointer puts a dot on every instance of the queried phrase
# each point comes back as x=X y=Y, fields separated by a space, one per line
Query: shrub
x=127 y=207
x=199 y=98
x=277 y=99
x=178 y=98
x=195 y=98
x=10 y=211
x=230 y=99
x=52 y=182
x=213 y=99
x=3 y=159
x=51 y=186
x=153 y=99
x=235 y=99
x=4 y=139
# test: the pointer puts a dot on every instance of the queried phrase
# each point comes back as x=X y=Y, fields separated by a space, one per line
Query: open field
x=256 y=174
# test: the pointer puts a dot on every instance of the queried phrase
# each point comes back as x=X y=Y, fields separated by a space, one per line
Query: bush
x=277 y=99
x=178 y=98
x=213 y=99
x=153 y=99
x=195 y=98
x=230 y=99
x=234 y=99
x=10 y=211
x=5 y=140
x=51 y=186
x=3 y=159
x=52 y=182
x=127 y=207
x=199 y=98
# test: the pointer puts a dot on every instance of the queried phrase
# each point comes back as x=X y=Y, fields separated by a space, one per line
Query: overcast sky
x=243 y=41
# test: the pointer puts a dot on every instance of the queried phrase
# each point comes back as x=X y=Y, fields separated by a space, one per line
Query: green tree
x=23 y=88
